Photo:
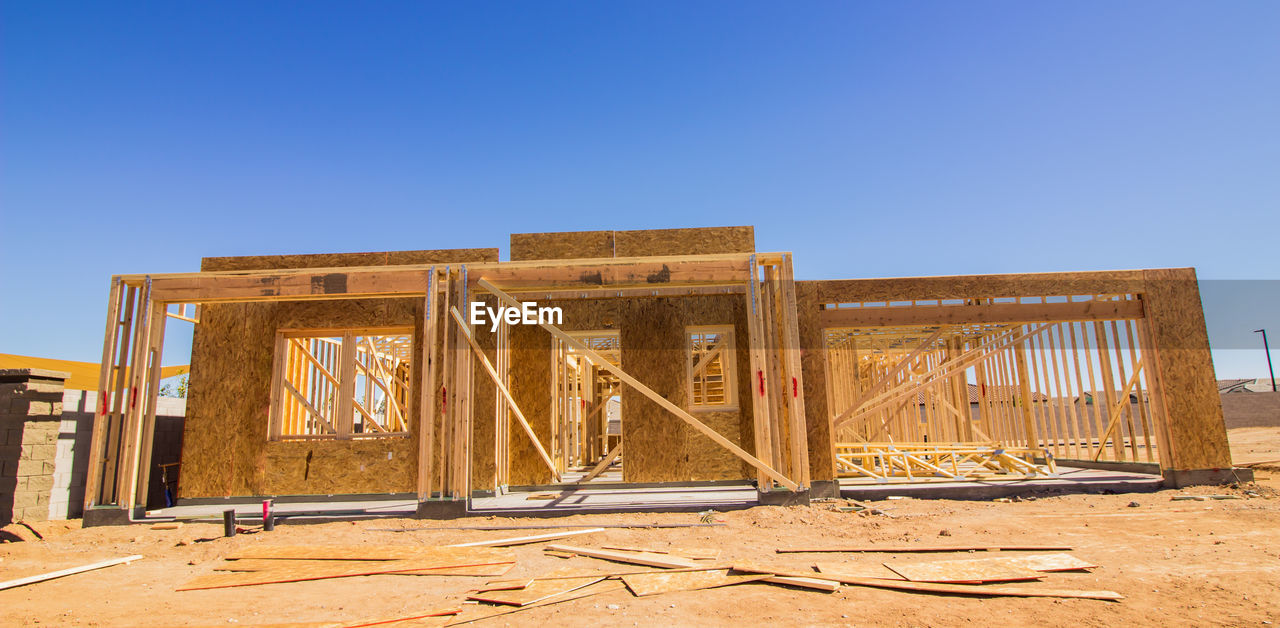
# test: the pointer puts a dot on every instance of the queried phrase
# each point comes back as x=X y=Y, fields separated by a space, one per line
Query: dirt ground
x=1190 y=562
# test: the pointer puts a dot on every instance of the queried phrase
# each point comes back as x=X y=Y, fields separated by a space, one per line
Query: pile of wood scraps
x=965 y=576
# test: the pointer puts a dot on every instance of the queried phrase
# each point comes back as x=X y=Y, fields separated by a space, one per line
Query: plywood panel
x=336 y=260
x=561 y=245
x=1195 y=430
x=225 y=447
x=658 y=446
x=813 y=367
x=531 y=380
x=697 y=241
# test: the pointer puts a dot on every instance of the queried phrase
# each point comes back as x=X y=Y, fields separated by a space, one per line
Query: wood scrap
x=692 y=553
x=804 y=581
x=434 y=618
x=908 y=549
x=672 y=581
x=969 y=589
x=651 y=559
x=9 y=584
x=522 y=540
x=536 y=591
x=166 y=525
x=264 y=564
x=970 y=571
x=479 y=612
x=467 y=555
x=298 y=571
x=553 y=526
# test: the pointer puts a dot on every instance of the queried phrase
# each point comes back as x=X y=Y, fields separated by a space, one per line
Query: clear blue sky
x=872 y=139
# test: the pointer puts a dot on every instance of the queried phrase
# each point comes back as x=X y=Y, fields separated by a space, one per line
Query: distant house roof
x=994 y=393
x=1260 y=384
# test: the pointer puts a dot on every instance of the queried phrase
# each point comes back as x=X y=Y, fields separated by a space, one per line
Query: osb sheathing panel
x=1193 y=407
x=637 y=243
x=531 y=381
x=336 y=467
x=978 y=286
x=484 y=397
x=658 y=446
x=813 y=367
x=699 y=241
x=225 y=449
x=337 y=260
x=562 y=245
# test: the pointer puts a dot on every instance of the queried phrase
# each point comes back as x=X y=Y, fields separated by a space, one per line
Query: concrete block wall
x=30 y=419
x=66 y=500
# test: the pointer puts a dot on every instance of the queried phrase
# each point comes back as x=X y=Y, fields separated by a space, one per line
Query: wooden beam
x=648 y=392
x=67 y=572
x=893 y=316
x=648 y=273
x=603 y=464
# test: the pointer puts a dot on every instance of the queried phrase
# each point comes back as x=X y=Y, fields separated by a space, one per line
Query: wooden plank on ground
x=266 y=564
x=67 y=572
x=802 y=580
x=288 y=571
x=692 y=553
x=673 y=581
x=971 y=570
x=904 y=549
x=968 y=589
x=651 y=559
x=454 y=556
x=521 y=540
x=480 y=611
x=537 y=591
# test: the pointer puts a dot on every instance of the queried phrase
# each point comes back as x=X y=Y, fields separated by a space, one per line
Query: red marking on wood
x=760 y=374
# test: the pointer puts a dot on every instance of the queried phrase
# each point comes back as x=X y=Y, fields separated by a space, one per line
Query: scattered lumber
x=479 y=555
x=905 y=549
x=479 y=612
x=653 y=583
x=968 y=589
x=652 y=559
x=434 y=618
x=554 y=526
x=692 y=553
x=521 y=540
x=666 y=561
x=286 y=563
x=967 y=571
x=536 y=591
x=307 y=570
x=67 y=572
x=263 y=564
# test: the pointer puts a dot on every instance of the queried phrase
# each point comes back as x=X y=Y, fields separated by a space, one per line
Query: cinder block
x=43 y=452
x=25 y=499
x=40 y=484
x=27 y=407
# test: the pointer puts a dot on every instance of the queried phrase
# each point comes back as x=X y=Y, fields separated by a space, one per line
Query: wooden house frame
x=479 y=403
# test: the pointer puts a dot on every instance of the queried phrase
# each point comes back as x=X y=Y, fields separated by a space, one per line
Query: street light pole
x=1267 y=349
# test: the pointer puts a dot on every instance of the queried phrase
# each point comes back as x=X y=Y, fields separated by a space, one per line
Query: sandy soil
x=1189 y=562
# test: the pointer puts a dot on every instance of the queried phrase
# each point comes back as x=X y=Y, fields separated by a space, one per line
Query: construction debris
x=67 y=572
x=522 y=540
x=904 y=549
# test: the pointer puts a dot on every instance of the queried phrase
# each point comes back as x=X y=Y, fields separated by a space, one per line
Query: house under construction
x=682 y=356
